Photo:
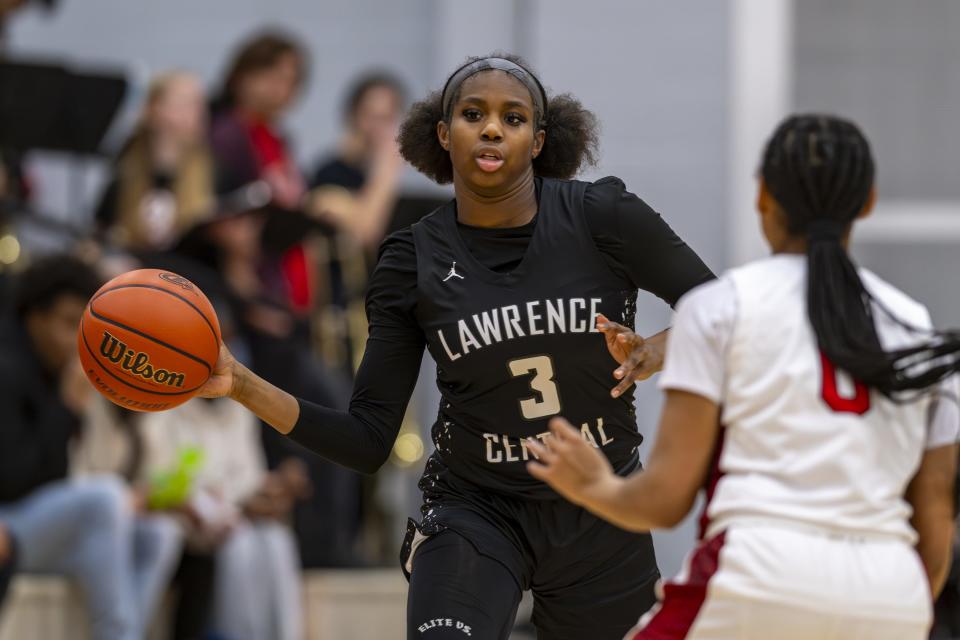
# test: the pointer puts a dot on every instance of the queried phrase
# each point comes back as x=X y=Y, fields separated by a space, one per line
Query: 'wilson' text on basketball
x=136 y=362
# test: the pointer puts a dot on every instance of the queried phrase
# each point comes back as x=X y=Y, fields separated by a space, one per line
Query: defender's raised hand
x=574 y=468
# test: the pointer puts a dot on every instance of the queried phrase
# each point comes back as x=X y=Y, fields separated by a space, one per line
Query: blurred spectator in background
x=84 y=529
x=241 y=515
x=163 y=177
x=356 y=187
x=278 y=286
x=228 y=261
x=355 y=190
x=261 y=84
x=111 y=443
x=13 y=185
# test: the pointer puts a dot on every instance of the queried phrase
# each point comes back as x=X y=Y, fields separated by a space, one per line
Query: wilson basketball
x=148 y=340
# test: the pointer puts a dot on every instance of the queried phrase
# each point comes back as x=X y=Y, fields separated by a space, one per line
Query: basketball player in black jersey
x=504 y=285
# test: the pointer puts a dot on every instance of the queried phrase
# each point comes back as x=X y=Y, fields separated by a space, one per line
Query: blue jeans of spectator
x=86 y=529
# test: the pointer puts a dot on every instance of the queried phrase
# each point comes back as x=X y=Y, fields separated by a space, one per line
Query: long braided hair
x=820 y=171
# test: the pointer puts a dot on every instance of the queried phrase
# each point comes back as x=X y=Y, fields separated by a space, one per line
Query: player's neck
x=513 y=207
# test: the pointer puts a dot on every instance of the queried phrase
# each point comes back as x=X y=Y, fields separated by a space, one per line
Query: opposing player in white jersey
x=796 y=395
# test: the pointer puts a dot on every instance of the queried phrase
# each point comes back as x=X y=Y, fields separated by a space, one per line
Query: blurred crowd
x=201 y=504
x=202 y=498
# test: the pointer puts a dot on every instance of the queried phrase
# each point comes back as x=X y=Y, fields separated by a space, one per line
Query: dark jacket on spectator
x=35 y=426
x=235 y=159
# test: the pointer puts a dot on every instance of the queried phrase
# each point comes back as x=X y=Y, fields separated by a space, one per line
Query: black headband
x=533 y=85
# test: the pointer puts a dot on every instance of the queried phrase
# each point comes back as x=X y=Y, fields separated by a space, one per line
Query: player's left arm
x=638 y=245
x=658 y=497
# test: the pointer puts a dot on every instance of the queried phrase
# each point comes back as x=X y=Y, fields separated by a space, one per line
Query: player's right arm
x=931 y=492
x=362 y=437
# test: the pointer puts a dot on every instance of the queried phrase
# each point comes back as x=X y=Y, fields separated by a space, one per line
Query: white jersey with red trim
x=801 y=441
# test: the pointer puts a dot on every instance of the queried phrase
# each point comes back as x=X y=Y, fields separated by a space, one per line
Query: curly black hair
x=571 y=135
x=48 y=279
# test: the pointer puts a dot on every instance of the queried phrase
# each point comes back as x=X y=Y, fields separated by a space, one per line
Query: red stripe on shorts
x=682 y=601
x=711 y=483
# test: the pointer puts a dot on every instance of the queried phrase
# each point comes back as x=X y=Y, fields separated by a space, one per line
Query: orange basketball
x=148 y=340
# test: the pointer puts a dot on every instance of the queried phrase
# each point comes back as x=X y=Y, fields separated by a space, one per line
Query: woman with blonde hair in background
x=163 y=177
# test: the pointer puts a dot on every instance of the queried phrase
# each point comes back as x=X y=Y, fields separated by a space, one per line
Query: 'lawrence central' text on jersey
x=516 y=349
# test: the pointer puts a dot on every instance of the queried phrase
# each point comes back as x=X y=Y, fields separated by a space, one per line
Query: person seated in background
x=225 y=254
x=282 y=291
x=239 y=514
x=163 y=177
x=109 y=443
x=83 y=529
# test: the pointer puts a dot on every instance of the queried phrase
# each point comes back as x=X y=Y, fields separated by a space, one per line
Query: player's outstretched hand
x=222 y=380
x=639 y=357
x=574 y=468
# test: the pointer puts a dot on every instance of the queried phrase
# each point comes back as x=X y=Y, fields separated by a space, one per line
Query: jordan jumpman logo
x=453 y=272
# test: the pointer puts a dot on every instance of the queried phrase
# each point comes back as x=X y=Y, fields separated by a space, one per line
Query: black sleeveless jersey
x=515 y=349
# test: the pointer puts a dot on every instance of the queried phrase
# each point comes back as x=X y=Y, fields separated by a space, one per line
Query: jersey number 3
x=858 y=404
x=547 y=401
